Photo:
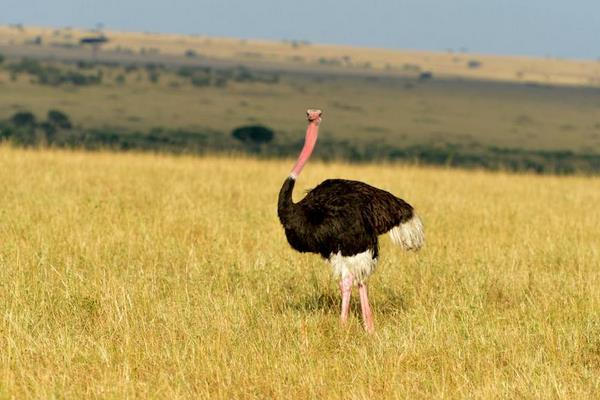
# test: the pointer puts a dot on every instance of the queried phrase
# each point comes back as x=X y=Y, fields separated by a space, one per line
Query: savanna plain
x=155 y=276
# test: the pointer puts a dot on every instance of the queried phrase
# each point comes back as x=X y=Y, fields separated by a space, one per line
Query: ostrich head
x=314 y=115
x=314 y=120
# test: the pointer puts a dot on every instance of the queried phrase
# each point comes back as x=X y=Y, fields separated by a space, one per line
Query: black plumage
x=340 y=216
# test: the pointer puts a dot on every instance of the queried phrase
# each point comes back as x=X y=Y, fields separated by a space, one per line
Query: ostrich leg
x=346 y=289
x=365 y=308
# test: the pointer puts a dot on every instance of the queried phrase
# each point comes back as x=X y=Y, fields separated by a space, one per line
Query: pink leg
x=366 y=309
x=346 y=289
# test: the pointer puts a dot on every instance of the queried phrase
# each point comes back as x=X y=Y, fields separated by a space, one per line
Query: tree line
x=57 y=130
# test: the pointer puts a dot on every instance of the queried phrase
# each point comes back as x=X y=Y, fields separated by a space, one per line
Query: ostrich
x=341 y=220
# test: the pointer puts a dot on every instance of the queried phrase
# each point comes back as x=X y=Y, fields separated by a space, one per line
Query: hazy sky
x=535 y=27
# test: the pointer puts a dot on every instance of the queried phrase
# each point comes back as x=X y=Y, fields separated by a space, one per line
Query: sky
x=555 y=28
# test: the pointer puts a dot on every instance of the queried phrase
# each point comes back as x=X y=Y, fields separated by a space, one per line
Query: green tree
x=23 y=119
x=59 y=119
x=253 y=134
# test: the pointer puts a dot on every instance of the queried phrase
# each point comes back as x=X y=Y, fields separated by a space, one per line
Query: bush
x=27 y=66
x=253 y=134
x=153 y=76
x=85 y=64
x=50 y=75
x=23 y=119
x=49 y=129
x=188 y=72
x=425 y=76
x=24 y=136
x=243 y=74
x=329 y=61
x=59 y=119
x=198 y=76
x=200 y=80
x=473 y=64
x=1 y=58
x=76 y=78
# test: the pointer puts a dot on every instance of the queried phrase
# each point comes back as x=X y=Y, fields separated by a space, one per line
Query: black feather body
x=339 y=216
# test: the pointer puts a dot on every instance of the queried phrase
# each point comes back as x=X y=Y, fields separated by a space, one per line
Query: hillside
x=308 y=56
x=188 y=94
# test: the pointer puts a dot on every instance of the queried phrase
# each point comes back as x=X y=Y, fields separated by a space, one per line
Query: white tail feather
x=409 y=235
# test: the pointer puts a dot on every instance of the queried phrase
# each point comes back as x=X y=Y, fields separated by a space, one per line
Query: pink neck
x=309 y=144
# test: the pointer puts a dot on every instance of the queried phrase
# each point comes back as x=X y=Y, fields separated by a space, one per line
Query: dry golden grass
x=503 y=68
x=169 y=277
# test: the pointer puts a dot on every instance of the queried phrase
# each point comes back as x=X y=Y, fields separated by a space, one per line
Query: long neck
x=312 y=133
x=285 y=203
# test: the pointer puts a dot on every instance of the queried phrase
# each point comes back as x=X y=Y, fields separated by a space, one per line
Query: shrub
x=153 y=76
x=50 y=75
x=59 y=119
x=24 y=136
x=243 y=74
x=85 y=64
x=198 y=76
x=35 y=41
x=77 y=78
x=473 y=64
x=200 y=80
x=5 y=131
x=23 y=119
x=49 y=129
x=26 y=65
x=329 y=61
x=425 y=76
x=188 y=72
x=253 y=134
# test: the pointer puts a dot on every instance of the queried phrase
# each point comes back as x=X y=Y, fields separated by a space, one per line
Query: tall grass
x=169 y=277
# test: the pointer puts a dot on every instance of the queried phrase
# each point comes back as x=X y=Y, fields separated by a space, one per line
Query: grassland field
x=149 y=275
x=154 y=276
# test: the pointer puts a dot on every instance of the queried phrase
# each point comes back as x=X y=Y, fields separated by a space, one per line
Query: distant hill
x=301 y=55
x=174 y=93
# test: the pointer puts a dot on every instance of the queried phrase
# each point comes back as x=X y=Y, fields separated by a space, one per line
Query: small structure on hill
x=94 y=41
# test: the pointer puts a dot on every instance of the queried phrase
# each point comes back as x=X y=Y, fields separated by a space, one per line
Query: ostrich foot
x=365 y=308
x=346 y=289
